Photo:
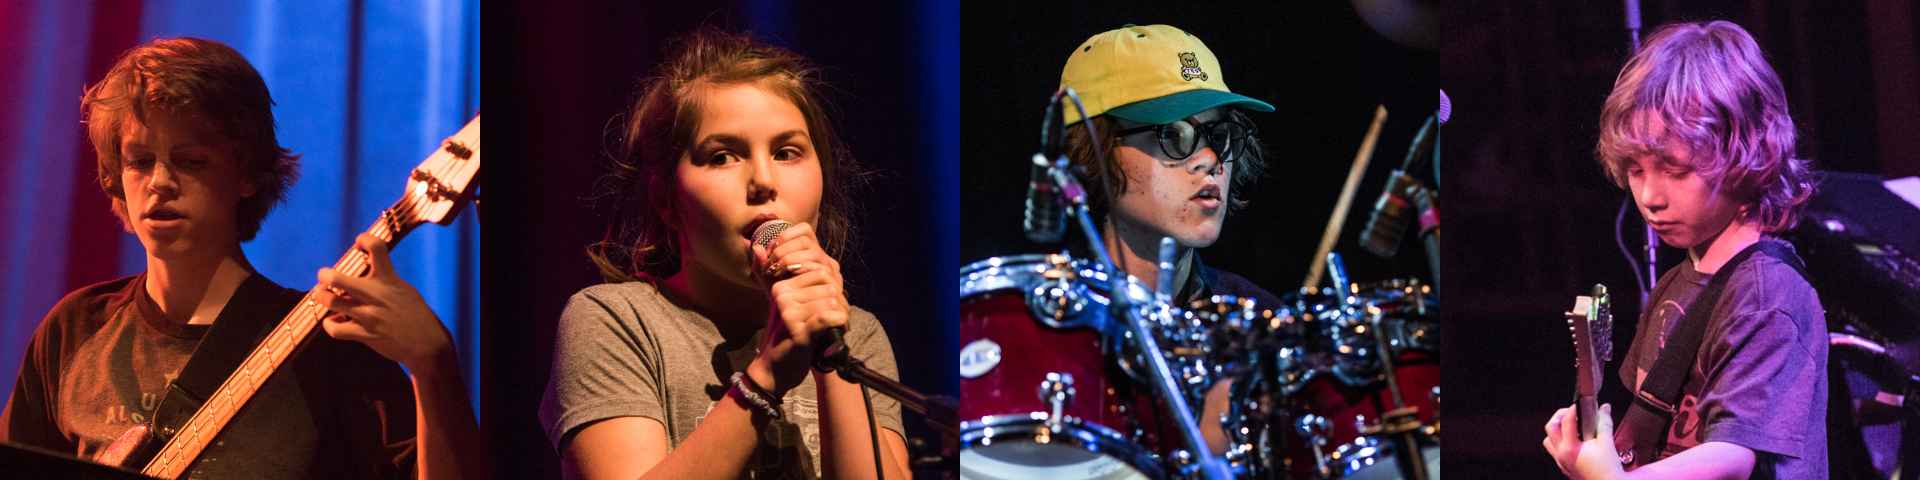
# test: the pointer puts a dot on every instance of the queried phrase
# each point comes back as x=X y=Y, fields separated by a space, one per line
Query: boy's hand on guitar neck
x=383 y=312
x=1595 y=458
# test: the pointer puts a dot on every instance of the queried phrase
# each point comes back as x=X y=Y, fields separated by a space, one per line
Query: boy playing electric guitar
x=1728 y=367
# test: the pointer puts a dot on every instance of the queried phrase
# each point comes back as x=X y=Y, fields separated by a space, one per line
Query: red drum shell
x=1106 y=403
x=1416 y=372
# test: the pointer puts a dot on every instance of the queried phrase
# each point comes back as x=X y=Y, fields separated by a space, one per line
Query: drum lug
x=1314 y=429
x=1056 y=391
x=1433 y=429
x=1182 y=458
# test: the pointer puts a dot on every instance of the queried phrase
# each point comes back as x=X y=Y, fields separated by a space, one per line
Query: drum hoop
x=1072 y=431
x=1343 y=457
x=992 y=274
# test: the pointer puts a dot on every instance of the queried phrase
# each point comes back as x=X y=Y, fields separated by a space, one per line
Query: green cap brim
x=1185 y=104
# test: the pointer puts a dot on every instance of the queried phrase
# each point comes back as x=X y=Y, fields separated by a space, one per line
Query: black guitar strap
x=1644 y=428
x=256 y=306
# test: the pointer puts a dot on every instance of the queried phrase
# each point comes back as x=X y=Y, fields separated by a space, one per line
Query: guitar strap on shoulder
x=1644 y=429
x=240 y=325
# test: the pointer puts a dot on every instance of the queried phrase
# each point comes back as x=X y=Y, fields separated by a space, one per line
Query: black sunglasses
x=1181 y=138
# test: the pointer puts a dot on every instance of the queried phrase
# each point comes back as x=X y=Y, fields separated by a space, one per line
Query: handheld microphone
x=828 y=344
x=766 y=232
x=1046 y=218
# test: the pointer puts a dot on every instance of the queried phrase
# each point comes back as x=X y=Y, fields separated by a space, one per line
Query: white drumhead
x=1385 y=467
x=1028 y=460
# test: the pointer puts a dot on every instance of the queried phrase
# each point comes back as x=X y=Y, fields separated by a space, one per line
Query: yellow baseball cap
x=1154 y=74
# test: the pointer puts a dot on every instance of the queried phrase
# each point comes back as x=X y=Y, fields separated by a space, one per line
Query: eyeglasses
x=1180 y=139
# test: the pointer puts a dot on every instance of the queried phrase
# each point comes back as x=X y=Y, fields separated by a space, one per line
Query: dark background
x=560 y=70
x=1530 y=210
x=1318 y=63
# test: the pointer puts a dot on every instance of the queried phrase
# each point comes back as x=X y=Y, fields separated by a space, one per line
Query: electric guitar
x=436 y=190
x=1591 y=322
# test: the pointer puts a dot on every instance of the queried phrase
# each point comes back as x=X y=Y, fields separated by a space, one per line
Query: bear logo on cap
x=1190 y=67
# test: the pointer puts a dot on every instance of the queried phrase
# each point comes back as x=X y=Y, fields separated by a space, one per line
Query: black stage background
x=560 y=70
x=1318 y=63
x=1529 y=210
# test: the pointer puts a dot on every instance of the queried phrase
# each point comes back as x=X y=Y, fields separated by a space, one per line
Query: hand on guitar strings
x=806 y=295
x=1578 y=459
x=382 y=311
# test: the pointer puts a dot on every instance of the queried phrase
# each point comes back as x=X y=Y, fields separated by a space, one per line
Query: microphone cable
x=1633 y=262
x=873 y=434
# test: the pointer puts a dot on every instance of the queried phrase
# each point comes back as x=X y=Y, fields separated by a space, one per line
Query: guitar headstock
x=443 y=182
x=1591 y=324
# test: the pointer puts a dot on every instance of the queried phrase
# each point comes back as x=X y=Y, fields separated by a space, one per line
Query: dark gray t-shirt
x=625 y=350
x=1760 y=377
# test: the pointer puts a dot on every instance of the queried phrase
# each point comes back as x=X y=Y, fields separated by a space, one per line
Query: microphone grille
x=765 y=234
x=1446 y=108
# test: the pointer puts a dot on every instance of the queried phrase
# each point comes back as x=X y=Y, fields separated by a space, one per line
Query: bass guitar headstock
x=442 y=184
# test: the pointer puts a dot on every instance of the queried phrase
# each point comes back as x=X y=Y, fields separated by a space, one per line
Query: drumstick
x=1316 y=268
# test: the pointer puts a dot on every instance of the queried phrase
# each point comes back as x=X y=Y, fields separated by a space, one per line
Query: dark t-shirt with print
x=101 y=360
x=1760 y=377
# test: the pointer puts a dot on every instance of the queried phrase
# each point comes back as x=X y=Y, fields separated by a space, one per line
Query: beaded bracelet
x=756 y=399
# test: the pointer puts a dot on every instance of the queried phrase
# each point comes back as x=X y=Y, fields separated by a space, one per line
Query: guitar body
x=1591 y=324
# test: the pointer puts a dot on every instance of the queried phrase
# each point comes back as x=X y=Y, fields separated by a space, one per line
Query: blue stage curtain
x=363 y=91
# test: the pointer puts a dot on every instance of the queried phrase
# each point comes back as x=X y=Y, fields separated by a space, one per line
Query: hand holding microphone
x=807 y=298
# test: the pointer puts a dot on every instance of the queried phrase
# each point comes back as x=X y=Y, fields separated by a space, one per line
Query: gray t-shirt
x=1760 y=377
x=625 y=350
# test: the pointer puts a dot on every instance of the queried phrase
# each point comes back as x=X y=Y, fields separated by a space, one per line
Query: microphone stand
x=1631 y=11
x=938 y=411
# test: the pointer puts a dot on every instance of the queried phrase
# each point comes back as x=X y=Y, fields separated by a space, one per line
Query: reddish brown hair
x=659 y=128
x=205 y=79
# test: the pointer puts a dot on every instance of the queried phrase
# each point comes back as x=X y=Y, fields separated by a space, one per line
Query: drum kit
x=1337 y=383
x=1071 y=369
